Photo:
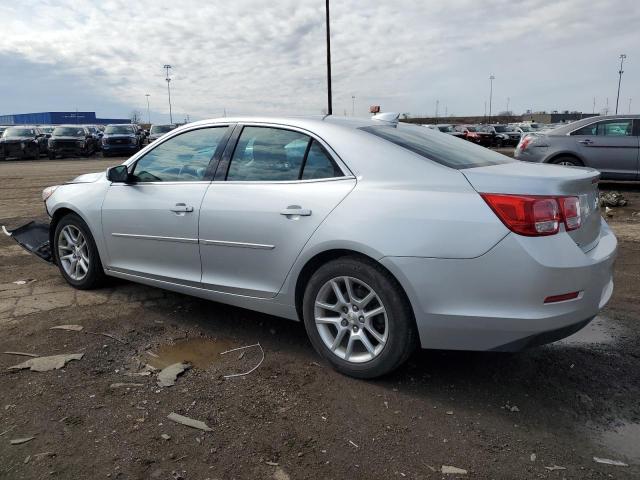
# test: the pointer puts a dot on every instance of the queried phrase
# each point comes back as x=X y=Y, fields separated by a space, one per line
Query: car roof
x=569 y=127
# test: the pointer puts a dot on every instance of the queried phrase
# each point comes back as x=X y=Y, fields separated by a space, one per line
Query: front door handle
x=181 y=208
x=586 y=141
x=296 y=210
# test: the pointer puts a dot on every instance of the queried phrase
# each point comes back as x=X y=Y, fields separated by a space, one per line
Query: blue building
x=58 y=118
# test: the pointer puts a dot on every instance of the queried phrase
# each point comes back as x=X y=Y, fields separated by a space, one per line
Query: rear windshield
x=444 y=149
x=68 y=132
x=123 y=129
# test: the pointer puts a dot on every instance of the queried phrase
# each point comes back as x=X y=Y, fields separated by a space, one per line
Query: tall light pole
x=620 y=72
x=508 y=100
x=167 y=67
x=148 y=111
x=491 y=79
x=353 y=105
x=329 y=101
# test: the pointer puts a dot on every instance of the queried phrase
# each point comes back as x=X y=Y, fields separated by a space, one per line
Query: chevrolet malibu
x=378 y=236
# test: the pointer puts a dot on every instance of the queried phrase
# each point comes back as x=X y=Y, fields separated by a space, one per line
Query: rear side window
x=265 y=154
x=444 y=149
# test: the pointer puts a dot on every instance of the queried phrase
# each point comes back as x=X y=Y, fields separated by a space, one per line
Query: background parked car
x=23 y=142
x=609 y=144
x=97 y=134
x=71 y=140
x=503 y=135
x=120 y=139
x=474 y=134
x=157 y=131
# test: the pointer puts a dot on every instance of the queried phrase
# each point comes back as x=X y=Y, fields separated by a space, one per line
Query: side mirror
x=118 y=174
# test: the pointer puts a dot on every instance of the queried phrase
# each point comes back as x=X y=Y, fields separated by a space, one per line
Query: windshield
x=68 y=132
x=444 y=149
x=118 y=129
x=19 y=132
x=445 y=128
x=161 y=128
x=470 y=129
x=501 y=128
x=524 y=128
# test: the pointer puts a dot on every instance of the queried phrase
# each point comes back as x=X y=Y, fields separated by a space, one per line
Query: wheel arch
x=555 y=156
x=319 y=259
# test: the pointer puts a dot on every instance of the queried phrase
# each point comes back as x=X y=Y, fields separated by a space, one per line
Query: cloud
x=251 y=56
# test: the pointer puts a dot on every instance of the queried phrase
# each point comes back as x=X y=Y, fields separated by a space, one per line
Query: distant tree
x=136 y=116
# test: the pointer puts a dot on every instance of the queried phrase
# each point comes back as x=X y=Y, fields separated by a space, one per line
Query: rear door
x=150 y=226
x=610 y=146
x=271 y=193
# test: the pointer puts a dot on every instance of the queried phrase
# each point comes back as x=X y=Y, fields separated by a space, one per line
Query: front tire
x=358 y=318
x=76 y=254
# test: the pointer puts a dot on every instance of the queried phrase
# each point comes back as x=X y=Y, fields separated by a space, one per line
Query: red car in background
x=473 y=134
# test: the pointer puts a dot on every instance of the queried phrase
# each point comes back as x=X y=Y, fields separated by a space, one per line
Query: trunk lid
x=524 y=178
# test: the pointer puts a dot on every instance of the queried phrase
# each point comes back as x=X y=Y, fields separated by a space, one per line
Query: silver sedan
x=379 y=236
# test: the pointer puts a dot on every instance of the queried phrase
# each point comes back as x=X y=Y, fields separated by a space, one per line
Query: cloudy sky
x=250 y=56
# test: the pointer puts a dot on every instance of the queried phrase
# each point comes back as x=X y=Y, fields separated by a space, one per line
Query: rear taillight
x=534 y=215
x=524 y=143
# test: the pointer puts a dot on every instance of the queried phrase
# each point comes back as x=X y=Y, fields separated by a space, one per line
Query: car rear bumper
x=496 y=301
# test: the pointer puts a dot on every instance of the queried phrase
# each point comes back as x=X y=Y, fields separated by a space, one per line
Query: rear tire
x=76 y=254
x=568 y=161
x=346 y=330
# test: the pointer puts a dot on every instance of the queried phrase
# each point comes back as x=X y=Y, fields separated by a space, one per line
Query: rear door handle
x=586 y=141
x=296 y=210
x=182 y=208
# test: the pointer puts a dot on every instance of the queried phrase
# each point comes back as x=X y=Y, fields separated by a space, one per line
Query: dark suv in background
x=121 y=139
x=71 y=140
x=157 y=131
x=22 y=142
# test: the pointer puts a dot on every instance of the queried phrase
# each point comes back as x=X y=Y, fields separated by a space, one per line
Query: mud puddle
x=199 y=352
x=601 y=330
x=623 y=441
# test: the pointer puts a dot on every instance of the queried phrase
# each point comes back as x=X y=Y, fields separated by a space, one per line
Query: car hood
x=88 y=178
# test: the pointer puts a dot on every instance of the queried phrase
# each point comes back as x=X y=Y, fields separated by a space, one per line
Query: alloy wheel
x=351 y=319
x=73 y=252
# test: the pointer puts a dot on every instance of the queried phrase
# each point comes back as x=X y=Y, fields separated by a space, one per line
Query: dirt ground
x=542 y=413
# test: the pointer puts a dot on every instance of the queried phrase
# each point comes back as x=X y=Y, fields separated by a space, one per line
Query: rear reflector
x=561 y=298
x=535 y=215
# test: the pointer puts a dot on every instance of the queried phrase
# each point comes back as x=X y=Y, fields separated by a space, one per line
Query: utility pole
x=485 y=110
x=437 y=106
x=491 y=79
x=148 y=111
x=329 y=101
x=508 y=100
x=620 y=72
x=168 y=79
x=353 y=105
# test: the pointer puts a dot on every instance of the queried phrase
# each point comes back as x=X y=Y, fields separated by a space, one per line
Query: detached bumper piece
x=34 y=238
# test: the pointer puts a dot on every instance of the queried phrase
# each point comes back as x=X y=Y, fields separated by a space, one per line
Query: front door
x=151 y=224
x=280 y=185
x=610 y=146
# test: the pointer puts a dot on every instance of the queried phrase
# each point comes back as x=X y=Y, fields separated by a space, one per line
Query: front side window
x=183 y=158
x=608 y=128
x=265 y=154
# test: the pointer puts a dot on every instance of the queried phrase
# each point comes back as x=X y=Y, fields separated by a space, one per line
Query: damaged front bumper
x=34 y=238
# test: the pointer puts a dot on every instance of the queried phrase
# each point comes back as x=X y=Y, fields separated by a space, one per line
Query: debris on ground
x=273 y=464
x=608 y=211
x=24 y=354
x=125 y=385
x=449 y=469
x=19 y=441
x=72 y=328
x=555 y=467
x=353 y=444
x=243 y=348
x=533 y=457
x=280 y=474
x=168 y=375
x=45 y=364
x=24 y=282
x=612 y=199
x=164 y=436
x=7 y=431
x=189 y=422
x=607 y=461
x=108 y=335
